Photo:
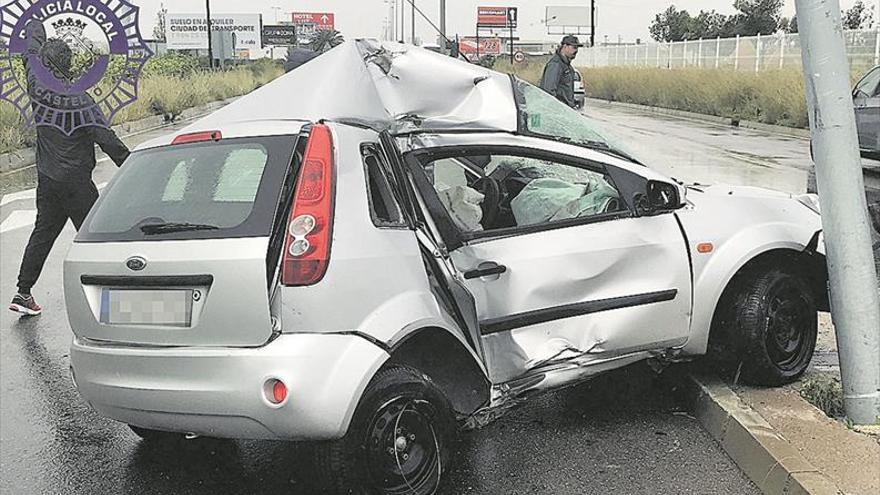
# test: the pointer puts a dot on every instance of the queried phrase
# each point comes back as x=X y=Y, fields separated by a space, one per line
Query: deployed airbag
x=550 y=200
x=463 y=205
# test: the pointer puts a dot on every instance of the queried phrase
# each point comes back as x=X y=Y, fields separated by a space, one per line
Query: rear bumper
x=219 y=392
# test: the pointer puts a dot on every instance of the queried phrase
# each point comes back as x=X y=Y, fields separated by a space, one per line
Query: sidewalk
x=784 y=443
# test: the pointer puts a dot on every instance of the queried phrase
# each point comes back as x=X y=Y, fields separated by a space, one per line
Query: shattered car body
x=389 y=237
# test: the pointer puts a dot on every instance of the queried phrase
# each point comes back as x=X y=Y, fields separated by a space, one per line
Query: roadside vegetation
x=771 y=97
x=169 y=85
x=823 y=390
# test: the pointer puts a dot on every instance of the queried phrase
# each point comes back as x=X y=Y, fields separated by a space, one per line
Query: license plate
x=165 y=307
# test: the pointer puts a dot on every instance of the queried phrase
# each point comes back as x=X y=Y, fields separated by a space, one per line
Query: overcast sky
x=365 y=18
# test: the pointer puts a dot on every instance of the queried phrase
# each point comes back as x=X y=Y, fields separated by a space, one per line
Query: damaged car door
x=562 y=270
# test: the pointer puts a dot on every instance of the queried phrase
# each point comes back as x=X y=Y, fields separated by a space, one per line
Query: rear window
x=208 y=190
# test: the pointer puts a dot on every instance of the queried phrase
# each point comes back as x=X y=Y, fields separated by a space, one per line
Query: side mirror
x=663 y=196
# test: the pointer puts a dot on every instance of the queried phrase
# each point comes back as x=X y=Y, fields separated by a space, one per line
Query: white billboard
x=189 y=31
x=569 y=20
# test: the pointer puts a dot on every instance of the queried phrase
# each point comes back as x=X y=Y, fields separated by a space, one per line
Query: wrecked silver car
x=386 y=245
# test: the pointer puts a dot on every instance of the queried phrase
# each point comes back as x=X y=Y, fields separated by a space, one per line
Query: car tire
x=771 y=326
x=365 y=460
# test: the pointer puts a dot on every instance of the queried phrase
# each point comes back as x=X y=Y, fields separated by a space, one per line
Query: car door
x=866 y=99
x=559 y=266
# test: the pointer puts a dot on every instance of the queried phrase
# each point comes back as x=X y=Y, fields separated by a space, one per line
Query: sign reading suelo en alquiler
x=56 y=58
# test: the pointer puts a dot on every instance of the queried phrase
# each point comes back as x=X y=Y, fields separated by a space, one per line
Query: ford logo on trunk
x=136 y=263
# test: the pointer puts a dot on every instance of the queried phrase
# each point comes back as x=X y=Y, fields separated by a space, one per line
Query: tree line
x=752 y=17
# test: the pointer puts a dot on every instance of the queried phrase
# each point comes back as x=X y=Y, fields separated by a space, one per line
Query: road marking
x=18 y=219
x=27 y=194
x=25 y=218
x=32 y=193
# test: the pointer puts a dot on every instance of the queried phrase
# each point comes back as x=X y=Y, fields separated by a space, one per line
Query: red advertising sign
x=496 y=17
x=488 y=46
x=320 y=21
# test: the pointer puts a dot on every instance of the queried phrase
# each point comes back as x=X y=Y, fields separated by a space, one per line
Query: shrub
x=170 y=84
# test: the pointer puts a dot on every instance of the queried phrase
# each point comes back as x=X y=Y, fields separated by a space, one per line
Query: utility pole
x=592 y=23
x=855 y=300
x=412 y=10
x=208 y=24
x=443 y=24
x=403 y=21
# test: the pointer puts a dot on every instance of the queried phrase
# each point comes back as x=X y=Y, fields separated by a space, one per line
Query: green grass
x=771 y=97
x=824 y=391
x=160 y=92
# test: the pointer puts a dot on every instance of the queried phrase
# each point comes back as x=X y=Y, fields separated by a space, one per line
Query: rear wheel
x=771 y=326
x=398 y=442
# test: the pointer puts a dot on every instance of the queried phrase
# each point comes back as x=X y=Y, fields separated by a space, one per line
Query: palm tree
x=325 y=40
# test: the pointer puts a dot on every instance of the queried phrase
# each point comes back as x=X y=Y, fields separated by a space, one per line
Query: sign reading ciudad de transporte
x=70 y=63
x=190 y=31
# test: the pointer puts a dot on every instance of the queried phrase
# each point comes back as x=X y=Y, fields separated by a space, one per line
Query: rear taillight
x=310 y=228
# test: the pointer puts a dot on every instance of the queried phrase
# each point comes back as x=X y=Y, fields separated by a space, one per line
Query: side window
x=516 y=192
x=384 y=209
x=870 y=85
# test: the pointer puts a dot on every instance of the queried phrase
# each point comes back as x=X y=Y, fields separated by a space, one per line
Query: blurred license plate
x=165 y=307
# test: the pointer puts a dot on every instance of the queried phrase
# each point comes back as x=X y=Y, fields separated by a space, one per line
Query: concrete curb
x=766 y=456
x=757 y=126
x=24 y=158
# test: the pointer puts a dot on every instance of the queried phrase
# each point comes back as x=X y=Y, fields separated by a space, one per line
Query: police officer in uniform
x=558 y=78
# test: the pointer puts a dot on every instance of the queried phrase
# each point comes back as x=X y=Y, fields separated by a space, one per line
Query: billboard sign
x=497 y=17
x=569 y=20
x=279 y=35
x=488 y=46
x=309 y=22
x=190 y=31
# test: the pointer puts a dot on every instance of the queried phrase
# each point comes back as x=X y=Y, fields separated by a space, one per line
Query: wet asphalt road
x=625 y=432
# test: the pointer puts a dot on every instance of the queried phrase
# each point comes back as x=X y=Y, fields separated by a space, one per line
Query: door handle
x=484 y=270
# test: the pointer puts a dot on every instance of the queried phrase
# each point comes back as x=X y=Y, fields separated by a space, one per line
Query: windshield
x=542 y=115
x=199 y=191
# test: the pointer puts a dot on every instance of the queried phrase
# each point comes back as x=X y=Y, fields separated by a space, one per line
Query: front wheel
x=399 y=440
x=772 y=326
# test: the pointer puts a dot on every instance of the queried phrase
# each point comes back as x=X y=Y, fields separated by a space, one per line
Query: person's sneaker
x=25 y=306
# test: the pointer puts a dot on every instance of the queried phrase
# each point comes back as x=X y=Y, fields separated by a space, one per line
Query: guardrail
x=755 y=53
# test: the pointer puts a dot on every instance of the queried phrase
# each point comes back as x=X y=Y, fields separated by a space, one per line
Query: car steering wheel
x=491 y=190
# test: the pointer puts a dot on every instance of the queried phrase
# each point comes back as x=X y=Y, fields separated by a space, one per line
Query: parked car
x=866 y=98
x=409 y=248
x=580 y=94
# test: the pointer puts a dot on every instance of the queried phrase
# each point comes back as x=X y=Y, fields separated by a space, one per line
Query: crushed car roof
x=381 y=84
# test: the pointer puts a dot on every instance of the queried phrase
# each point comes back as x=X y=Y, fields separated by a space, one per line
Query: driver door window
x=869 y=86
x=490 y=193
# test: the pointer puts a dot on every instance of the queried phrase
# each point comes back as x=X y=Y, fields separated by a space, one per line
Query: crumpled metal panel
x=573 y=265
x=384 y=85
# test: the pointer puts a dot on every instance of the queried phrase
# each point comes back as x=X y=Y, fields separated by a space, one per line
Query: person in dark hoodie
x=558 y=78
x=65 y=189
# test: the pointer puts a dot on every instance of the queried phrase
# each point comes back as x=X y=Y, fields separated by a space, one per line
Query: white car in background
x=580 y=93
x=387 y=245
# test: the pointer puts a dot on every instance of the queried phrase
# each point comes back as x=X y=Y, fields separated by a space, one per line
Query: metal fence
x=755 y=53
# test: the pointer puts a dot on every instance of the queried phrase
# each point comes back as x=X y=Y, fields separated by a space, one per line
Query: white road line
x=32 y=193
x=18 y=219
x=9 y=198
